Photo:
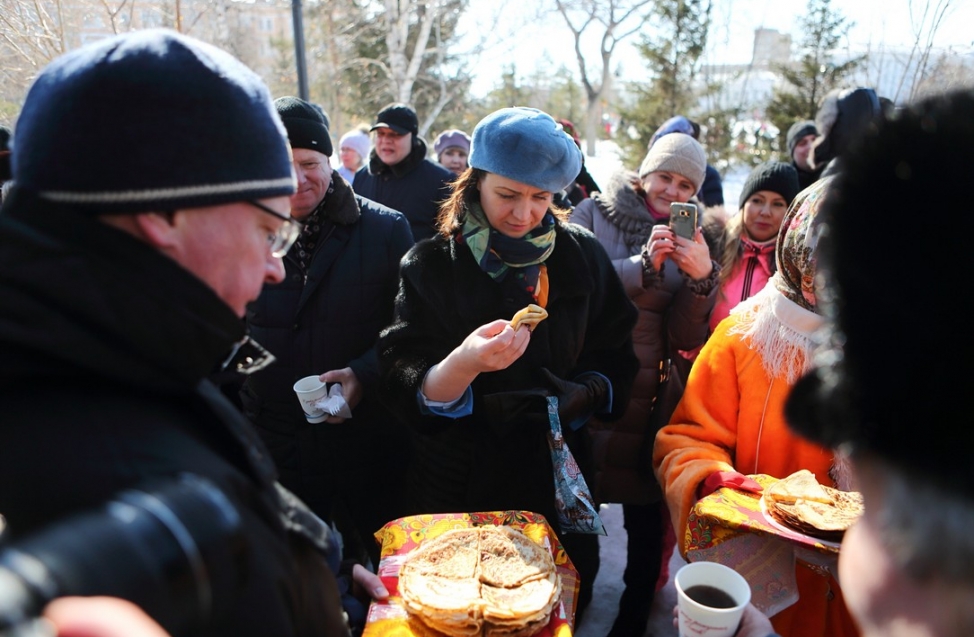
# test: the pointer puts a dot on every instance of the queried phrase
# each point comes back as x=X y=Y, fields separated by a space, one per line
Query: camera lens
x=172 y=548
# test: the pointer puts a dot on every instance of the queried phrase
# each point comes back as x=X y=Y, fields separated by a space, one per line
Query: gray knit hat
x=147 y=121
x=798 y=131
x=677 y=153
x=449 y=139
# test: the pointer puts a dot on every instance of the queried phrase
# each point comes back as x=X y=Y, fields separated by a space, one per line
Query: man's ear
x=158 y=229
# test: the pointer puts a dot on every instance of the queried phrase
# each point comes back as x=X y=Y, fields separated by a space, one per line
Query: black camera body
x=175 y=548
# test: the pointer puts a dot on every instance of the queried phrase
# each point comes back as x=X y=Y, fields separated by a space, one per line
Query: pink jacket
x=750 y=274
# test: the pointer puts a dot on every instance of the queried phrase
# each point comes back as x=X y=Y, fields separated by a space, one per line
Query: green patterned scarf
x=497 y=254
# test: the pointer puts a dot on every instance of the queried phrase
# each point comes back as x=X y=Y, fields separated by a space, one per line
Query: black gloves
x=579 y=399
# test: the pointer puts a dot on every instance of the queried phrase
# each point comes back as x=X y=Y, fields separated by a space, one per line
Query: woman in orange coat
x=731 y=420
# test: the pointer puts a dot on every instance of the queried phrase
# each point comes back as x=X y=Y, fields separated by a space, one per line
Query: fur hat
x=526 y=145
x=305 y=124
x=398 y=117
x=892 y=384
x=775 y=176
x=450 y=138
x=797 y=132
x=844 y=115
x=150 y=120
x=357 y=141
x=677 y=153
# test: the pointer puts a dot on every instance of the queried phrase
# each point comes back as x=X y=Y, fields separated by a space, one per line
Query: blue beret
x=150 y=120
x=526 y=145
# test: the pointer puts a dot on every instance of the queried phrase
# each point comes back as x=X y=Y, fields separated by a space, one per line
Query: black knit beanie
x=305 y=124
x=797 y=131
x=147 y=121
x=776 y=176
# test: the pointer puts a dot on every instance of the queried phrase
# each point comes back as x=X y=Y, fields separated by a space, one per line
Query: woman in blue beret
x=473 y=388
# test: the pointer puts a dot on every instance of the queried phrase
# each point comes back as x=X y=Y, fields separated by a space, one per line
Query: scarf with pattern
x=499 y=255
x=797 y=245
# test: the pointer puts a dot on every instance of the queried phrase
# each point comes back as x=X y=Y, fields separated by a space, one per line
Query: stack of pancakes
x=801 y=503
x=491 y=581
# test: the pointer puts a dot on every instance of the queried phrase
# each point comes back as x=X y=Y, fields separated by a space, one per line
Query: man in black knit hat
x=800 y=138
x=323 y=319
x=150 y=206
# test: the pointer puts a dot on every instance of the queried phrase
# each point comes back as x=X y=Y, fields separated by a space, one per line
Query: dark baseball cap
x=399 y=118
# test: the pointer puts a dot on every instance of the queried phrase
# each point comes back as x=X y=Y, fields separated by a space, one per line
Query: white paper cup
x=697 y=619
x=310 y=390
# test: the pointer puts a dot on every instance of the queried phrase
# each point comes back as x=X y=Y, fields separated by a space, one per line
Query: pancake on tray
x=801 y=503
x=492 y=581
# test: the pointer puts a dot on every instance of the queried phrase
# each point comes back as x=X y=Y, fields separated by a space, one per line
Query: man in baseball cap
x=399 y=175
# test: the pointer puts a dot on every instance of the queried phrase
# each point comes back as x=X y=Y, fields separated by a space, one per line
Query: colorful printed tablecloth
x=399 y=537
x=730 y=527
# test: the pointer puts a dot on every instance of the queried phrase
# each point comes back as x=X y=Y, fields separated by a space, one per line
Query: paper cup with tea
x=310 y=390
x=711 y=598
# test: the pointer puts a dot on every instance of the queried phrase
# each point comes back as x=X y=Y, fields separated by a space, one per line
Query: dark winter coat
x=326 y=322
x=106 y=345
x=498 y=457
x=673 y=315
x=415 y=187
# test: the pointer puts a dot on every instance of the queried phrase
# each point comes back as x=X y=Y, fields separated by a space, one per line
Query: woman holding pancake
x=731 y=422
x=471 y=386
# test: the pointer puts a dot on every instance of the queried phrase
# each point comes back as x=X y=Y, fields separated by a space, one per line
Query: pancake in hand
x=530 y=316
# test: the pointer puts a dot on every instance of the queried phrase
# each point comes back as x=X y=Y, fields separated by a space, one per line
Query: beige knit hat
x=676 y=153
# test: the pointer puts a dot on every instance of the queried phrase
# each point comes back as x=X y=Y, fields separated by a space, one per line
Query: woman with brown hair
x=474 y=389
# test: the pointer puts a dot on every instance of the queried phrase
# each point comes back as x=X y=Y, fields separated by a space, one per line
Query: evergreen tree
x=816 y=73
x=671 y=57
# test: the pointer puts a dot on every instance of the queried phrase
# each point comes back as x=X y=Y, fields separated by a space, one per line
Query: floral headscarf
x=796 y=247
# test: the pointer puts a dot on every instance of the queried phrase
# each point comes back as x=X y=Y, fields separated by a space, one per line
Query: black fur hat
x=894 y=257
x=844 y=115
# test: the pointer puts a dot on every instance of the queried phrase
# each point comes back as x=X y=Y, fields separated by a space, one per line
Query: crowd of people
x=165 y=280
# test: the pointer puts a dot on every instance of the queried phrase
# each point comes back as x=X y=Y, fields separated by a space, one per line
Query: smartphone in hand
x=683 y=219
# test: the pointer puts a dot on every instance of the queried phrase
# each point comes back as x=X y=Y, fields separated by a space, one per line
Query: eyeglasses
x=280 y=241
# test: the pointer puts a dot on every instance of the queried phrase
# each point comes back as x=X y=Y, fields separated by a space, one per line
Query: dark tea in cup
x=710 y=596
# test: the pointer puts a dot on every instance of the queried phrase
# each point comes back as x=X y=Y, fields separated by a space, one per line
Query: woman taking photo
x=746 y=243
x=473 y=388
x=731 y=419
x=672 y=282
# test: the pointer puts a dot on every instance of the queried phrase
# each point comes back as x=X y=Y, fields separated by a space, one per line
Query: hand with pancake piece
x=489 y=348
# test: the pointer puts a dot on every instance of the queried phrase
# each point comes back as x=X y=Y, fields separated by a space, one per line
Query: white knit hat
x=676 y=153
